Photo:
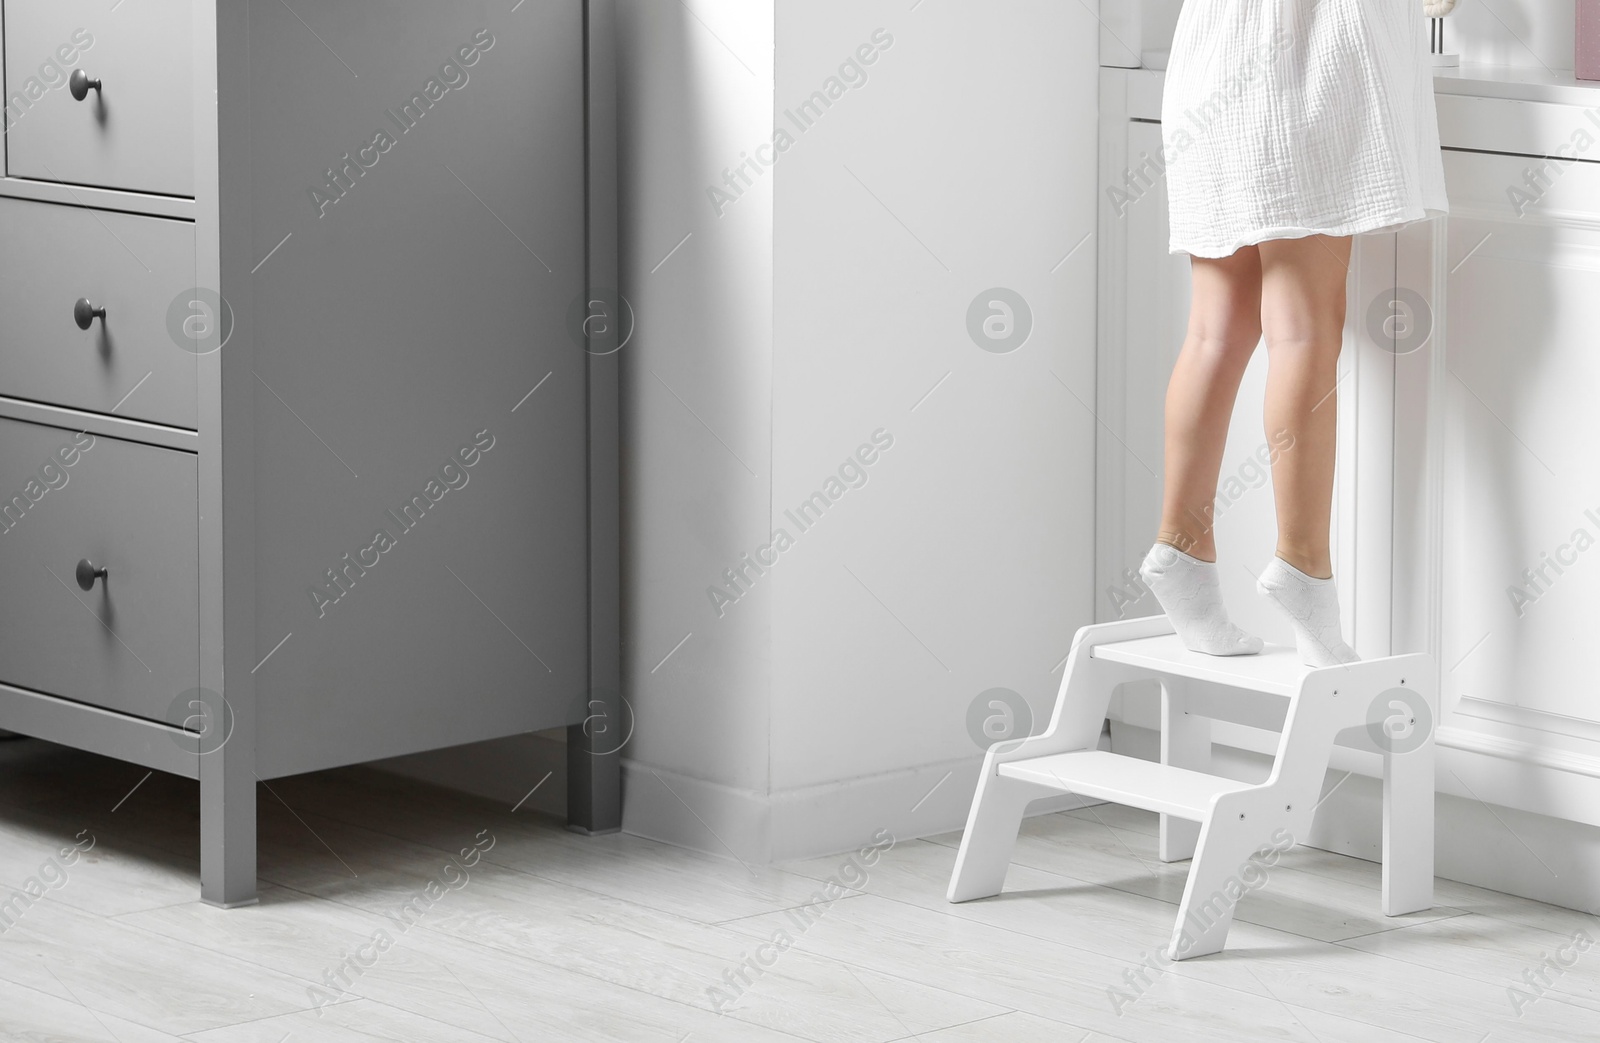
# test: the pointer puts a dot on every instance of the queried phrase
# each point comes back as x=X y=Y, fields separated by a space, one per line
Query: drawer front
x=133 y=267
x=131 y=642
x=135 y=132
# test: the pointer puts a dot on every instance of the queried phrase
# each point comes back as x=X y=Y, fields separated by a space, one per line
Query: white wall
x=829 y=300
x=832 y=695
x=696 y=91
x=966 y=161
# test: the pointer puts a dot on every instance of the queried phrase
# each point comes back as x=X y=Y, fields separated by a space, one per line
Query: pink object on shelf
x=1586 y=61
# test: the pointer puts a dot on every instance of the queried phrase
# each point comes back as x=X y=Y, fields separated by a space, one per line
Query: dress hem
x=1390 y=222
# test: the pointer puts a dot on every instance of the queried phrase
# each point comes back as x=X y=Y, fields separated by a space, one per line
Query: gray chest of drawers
x=307 y=410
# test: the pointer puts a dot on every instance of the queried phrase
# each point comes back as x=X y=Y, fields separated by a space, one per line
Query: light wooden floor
x=552 y=936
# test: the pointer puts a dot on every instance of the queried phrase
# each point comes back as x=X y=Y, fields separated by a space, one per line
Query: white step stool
x=1389 y=703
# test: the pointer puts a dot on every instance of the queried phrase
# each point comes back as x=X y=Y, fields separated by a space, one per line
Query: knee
x=1225 y=347
x=1315 y=345
x=1312 y=328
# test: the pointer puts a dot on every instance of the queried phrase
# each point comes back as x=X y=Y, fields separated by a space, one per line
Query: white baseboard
x=803 y=823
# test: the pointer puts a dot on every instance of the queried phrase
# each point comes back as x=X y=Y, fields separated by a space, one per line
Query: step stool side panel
x=1337 y=698
x=1075 y=724
x=1329 y=701
x=1242 y=823
x=1087 y=684
x=1225 y=868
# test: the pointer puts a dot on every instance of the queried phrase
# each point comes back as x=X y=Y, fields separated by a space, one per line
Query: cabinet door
x=1520 y=528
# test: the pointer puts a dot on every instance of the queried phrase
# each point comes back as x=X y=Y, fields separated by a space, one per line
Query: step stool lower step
x=1132 y=781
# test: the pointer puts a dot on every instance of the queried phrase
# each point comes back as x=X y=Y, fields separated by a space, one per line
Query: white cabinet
x=1521 y=490
x=1497 y=424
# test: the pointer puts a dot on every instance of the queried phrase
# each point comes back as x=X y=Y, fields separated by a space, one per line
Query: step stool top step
x=1276 y=669
x=1126 y=780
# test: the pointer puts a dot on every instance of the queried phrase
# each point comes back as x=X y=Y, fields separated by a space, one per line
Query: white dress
x=1288 y=118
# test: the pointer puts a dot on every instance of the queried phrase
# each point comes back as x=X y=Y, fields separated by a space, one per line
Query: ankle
x=1312 y=609
x=1203 y=549
x=1317 y=566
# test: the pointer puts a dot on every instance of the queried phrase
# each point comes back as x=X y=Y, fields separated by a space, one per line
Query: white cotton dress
x=1288 y=118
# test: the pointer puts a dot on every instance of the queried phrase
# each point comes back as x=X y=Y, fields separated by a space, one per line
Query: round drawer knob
x=84 y=313
x=87 y=573
x=80 y=84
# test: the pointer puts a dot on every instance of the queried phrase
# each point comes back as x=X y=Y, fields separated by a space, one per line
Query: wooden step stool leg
x=986 y=846
x=1185 y=743
x=1220 y=874
x=1408 y=797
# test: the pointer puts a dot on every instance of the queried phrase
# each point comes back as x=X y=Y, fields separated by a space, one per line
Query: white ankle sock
x=1191 y=596
x=1312 y=606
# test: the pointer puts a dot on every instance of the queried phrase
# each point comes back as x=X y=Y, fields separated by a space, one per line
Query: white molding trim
x=1363 y=535
x=1434 y=495
x=1110 y=479
x=1570 y=761
x=1530 y=719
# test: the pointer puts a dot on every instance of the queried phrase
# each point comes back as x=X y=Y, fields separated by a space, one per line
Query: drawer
x=1496 y=187
x=131 y=642
x=135 y=268
x=137 y=131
